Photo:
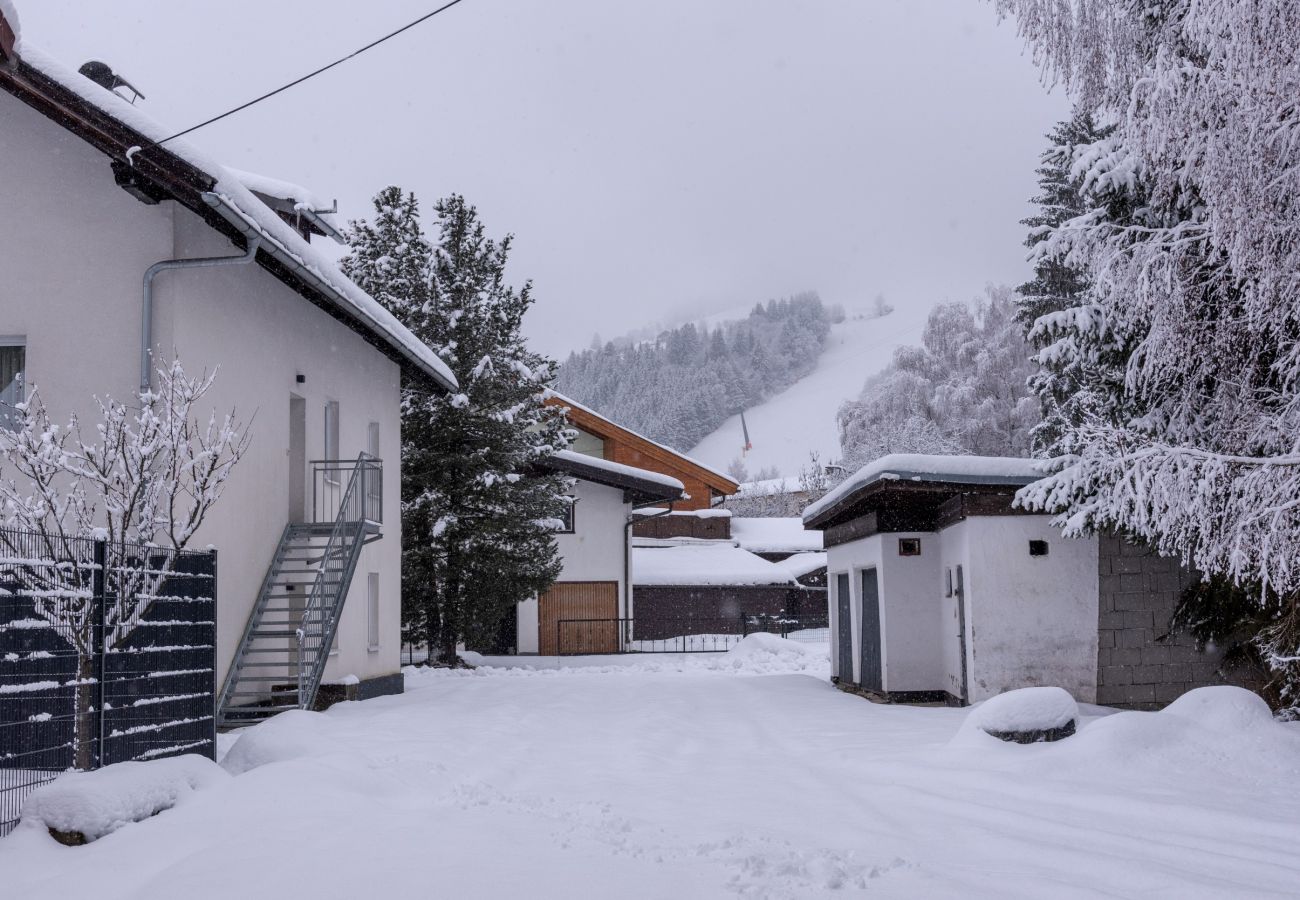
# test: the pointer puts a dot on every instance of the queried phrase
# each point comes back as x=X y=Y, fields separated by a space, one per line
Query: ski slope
x=801 y=419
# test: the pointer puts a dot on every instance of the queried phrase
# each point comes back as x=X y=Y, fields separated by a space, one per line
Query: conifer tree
x=478 y=519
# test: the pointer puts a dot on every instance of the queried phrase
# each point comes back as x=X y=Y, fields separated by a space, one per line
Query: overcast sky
x=655 y=160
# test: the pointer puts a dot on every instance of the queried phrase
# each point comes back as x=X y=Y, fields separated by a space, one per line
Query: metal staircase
x=286 y=644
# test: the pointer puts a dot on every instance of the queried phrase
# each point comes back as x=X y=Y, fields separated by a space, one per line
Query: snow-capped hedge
x=85 y=806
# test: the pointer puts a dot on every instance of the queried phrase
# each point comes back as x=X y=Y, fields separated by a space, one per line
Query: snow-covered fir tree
x=1062 y=385
x=1192 y=299
x=963 y=390
x=478 y=518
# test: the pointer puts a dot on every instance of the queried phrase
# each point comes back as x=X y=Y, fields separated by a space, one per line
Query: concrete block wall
x=1140 y=665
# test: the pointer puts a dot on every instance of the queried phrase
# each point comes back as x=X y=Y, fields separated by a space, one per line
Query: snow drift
x=97 y=803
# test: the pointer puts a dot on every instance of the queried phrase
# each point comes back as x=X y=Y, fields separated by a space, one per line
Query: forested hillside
x=679 y=387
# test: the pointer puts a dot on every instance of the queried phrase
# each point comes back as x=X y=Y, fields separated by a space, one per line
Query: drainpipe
x=146 y=325
x=627 y=557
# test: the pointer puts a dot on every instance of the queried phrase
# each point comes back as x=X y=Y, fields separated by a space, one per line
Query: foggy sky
x=654 y=160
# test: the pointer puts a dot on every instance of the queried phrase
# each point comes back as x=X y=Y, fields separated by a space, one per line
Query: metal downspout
x=146 y=324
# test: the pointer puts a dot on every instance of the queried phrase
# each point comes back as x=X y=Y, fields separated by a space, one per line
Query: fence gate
x=578 y=617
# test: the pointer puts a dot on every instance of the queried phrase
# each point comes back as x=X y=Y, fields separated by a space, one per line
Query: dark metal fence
x=577 y=637
x=107 y=654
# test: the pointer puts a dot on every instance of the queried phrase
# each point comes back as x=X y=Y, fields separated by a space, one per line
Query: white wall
x=1032 y=620
x=593 y=552
x=909 y=600
x=73 y=251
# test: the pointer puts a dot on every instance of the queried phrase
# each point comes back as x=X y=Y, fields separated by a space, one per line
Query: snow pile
x=10 y=13
x=925 y=467
x=704 y=564
x=779 y=535
x=97 y=803
x=293 y=734
x=801 y=564
x=763 y=654
x=1031 y=709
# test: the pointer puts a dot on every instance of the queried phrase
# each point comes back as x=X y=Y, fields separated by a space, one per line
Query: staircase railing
x=351 y=490
x=357 y=506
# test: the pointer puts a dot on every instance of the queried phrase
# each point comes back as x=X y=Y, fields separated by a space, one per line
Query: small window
x=1038 y=548
x=372 y=611
x=909 y=546
x=332 y=439
x=372 y=443
x=334 y=644
x=570 y=516
x=947 y=582
x=13 y=361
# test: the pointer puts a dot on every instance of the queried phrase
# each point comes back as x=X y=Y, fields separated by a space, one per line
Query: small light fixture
x=909 y=546
x=300 y=378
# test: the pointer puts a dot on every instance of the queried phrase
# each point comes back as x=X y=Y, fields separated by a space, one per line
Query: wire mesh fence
x=107 y=654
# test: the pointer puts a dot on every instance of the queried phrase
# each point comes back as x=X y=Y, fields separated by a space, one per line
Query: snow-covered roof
x=1008 y=470
x=801 y=564
x=237 y=204
x=715 y=563
x=295 y=196
x=783 y=535
x=713 y=513
x=605 y=465
x=569 y=401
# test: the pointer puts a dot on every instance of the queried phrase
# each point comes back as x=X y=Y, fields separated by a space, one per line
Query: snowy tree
x=144 y=477
x=478 y=517
x=1192 y=297
x=962 y=391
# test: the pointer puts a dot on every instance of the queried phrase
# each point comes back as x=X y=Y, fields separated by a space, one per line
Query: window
x=1038 y=548
x=372 y=440
x=909 y=546
x=570 y=516
x=13 y=360
x=372 y=611
x=947 y=582
x=332 y=429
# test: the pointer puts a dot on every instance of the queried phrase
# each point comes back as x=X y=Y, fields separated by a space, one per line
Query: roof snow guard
x=898 y=469
x=640 y=487
x=183 y=173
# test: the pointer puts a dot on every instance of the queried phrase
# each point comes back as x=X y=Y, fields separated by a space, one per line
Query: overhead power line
x=309 y=75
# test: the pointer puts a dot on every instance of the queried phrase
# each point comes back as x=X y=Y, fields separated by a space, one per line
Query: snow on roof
x=802 y=564
x=784 y=535
x=10 y=14
x=279 y=237
x=304 y=200
x=568 y=401
x=719 y=562
x=1010 y=470
x=769 y=487
x=614 y=468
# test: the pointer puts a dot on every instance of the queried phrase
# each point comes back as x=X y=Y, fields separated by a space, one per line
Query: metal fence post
x=99 y=641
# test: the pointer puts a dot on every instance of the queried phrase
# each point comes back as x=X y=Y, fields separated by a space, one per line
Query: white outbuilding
x=941 y=589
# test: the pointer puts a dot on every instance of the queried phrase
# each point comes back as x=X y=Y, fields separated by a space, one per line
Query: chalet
x=705 y=487
x=117 y=254
x=588 y=609
x=942 y=589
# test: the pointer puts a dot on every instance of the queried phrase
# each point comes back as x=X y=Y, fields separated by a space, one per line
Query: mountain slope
x=800 y=419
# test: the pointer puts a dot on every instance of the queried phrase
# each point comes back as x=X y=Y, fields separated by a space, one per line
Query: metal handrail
x=328 y=500
x=330 y=560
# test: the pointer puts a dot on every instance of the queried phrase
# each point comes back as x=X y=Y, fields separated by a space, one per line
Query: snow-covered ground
x=801 y=418
x=702 y=776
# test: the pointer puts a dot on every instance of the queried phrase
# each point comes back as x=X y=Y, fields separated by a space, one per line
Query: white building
x=585 y=610
x=87 y=206
x=940 y=588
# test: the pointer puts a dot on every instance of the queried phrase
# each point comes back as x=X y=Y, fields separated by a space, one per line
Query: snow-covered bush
x=85 y=806
x=1027 y=715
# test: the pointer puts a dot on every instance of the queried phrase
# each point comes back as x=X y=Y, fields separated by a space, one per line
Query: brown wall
x=660 y=611
x=710 y=527
x=619 y=452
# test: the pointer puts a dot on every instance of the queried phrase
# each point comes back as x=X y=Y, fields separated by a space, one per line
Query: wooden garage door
x=578 y=617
